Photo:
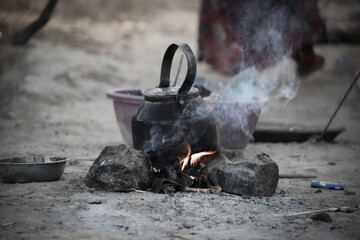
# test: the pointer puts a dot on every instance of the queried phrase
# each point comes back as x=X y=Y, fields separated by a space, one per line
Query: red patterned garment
x=236 y=34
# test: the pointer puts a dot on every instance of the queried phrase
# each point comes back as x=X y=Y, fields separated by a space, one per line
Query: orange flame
x=193 y=158
x=185 y=161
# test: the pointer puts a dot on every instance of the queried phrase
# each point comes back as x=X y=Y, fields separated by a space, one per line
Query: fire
x=193 y=159
x=185 y=161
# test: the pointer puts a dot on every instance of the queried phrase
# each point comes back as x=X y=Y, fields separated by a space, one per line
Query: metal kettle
x=171 y=118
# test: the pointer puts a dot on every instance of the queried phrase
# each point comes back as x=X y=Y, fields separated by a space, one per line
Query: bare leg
x=307 y=60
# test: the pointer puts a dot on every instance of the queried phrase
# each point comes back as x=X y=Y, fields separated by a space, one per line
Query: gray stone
x=119 y=169
x=243 y=172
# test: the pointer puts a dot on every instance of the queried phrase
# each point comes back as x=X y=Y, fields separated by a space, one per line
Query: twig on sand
x=340 y=209
x=140 y=191
x=282 y=191
x=198 y=190
x=7 y=224
x=296 y=175
x=178 y=235
x=215 y=189
x=82 y=159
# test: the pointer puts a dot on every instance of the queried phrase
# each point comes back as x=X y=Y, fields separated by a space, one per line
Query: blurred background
x=53 y=102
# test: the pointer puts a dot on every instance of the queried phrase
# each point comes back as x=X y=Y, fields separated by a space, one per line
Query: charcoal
x=243 y=172
x=167 y=176
x=321 y=217
x=120 y=169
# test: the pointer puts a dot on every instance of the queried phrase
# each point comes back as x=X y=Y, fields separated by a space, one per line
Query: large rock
x=243 y=172
x=120 y=169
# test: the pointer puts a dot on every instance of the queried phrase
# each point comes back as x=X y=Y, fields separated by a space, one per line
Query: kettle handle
x=190 y=74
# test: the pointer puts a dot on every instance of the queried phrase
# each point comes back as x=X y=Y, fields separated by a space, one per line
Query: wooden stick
x=340 y=209
x=7 y=224
x=178 y=235
x=214 y=189
x=82 y=159
x=229 y=194
x=341 y=102
x=140 y=191
x=198 y=190
x=286 y=187
x=296 y=175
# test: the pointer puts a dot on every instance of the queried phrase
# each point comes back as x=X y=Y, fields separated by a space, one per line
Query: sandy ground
x=53 y=101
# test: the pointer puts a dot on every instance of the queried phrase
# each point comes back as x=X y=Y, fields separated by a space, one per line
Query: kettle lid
x=168 y=94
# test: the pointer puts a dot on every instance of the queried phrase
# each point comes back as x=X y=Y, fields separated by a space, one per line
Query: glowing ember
x=193 y=158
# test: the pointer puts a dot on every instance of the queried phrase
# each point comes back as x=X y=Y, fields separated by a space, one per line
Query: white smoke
x=243 y=97
x=279 y=82
x=265 y=43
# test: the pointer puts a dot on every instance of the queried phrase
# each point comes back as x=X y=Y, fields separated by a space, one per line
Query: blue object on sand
x=327 y=185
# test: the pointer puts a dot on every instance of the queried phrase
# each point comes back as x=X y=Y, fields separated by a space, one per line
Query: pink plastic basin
x=236 y=120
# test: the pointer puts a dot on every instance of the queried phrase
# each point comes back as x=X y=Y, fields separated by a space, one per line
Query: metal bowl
x=32 y=168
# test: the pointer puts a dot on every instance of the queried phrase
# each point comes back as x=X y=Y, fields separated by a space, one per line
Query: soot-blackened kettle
x=172 y=118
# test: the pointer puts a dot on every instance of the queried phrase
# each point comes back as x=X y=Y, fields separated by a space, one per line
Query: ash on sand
x=122 y=169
